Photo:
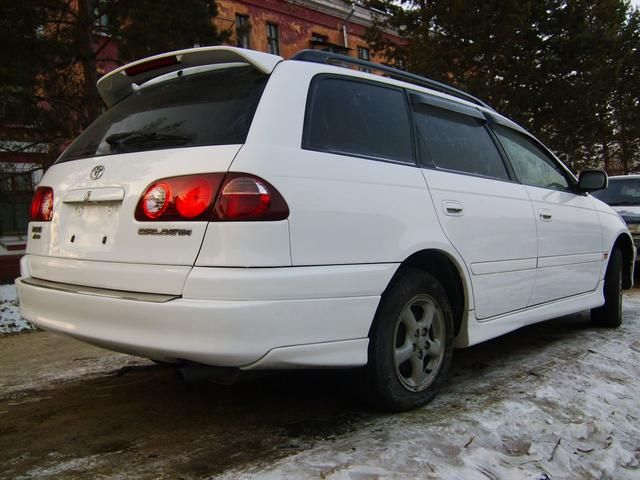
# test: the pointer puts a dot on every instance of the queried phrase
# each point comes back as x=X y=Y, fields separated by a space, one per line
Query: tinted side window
x=458 y=142
x=351 y=117
x=532 y=165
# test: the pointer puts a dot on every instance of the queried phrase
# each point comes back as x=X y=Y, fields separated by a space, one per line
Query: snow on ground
x=558 y=400
x=10 y=319
x=570 y=413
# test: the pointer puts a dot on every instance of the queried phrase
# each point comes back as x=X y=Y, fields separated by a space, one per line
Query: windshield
x=207 y=108
x=621 y=191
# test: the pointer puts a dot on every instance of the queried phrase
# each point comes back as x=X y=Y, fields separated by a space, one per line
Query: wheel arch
x=450 y=273
x=625 y=244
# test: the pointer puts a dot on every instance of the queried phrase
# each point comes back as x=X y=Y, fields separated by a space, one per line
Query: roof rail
x=318 y=56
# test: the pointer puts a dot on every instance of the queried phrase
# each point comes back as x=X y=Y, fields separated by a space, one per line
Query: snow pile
x=10 y=319
x=560 y=408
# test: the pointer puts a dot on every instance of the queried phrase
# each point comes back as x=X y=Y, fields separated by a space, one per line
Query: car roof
x=124 y=80
x=448 y=93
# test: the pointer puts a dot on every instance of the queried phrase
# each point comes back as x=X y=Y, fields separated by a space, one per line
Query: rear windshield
x=207 y=108
x=620 y=192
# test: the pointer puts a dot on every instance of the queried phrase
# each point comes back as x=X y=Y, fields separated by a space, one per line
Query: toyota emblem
x=97 y=172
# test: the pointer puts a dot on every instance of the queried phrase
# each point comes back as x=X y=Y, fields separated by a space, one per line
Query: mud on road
x=131 y=418
x=559 y=398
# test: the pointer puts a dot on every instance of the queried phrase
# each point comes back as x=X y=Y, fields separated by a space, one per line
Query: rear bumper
x=275 y=332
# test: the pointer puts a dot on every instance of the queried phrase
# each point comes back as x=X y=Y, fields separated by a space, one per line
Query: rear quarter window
x=351 y=117
x=214 y=107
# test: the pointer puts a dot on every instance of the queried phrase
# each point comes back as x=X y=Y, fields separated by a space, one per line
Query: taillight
x=214 y=196
x=156 y=200
x=247 y=197
x=196 y=199
x=42 y=205
x=179 y=198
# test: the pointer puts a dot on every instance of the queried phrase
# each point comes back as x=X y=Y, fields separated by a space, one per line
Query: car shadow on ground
x=145 y=414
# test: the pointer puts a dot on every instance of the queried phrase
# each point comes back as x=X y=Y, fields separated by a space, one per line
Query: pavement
x=557 y=400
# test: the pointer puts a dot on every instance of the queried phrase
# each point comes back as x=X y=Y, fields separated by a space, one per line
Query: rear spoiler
x=122 y=81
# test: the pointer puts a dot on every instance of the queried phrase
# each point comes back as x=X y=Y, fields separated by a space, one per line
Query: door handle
x=454 y=209
x=545 y=215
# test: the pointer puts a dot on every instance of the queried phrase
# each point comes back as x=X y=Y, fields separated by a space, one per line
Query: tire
x=410 y=343
x=610 y=314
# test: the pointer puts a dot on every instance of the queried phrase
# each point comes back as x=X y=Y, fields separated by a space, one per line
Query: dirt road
x=560 y=398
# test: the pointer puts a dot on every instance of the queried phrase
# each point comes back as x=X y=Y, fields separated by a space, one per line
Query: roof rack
x=318 y=56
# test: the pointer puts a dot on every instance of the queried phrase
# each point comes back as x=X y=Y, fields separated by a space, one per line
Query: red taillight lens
x=241 y=197
x=42 y=205
x=179 y=198
x=247 y=197
x=195 y=198
x=34 y=212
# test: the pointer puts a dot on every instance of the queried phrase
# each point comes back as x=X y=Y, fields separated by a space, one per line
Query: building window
x=243 y=31
x=332 y=48
x=317 y=38
x=363 y=54
x=272 y=39
x=101 y=22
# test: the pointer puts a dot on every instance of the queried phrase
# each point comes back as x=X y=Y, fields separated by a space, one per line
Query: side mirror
x=592 y=180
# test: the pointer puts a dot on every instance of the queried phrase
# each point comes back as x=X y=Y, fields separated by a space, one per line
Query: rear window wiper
x=137 y=138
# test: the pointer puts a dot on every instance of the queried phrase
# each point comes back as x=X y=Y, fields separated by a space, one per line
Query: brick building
x=284 y=27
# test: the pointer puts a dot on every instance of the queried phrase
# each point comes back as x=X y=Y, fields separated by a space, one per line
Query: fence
x=16 y=190
x=14 y=213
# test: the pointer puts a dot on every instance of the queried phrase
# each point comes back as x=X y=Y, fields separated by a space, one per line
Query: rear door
x=486 y=216
x=193 y=121
x=570 y=250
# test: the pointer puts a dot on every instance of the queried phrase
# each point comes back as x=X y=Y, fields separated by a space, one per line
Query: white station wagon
x=233 y=209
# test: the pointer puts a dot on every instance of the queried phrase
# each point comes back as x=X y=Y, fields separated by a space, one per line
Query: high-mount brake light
x=245 y=197
x=184 y=198
x=151 y=65
x=42 y=205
